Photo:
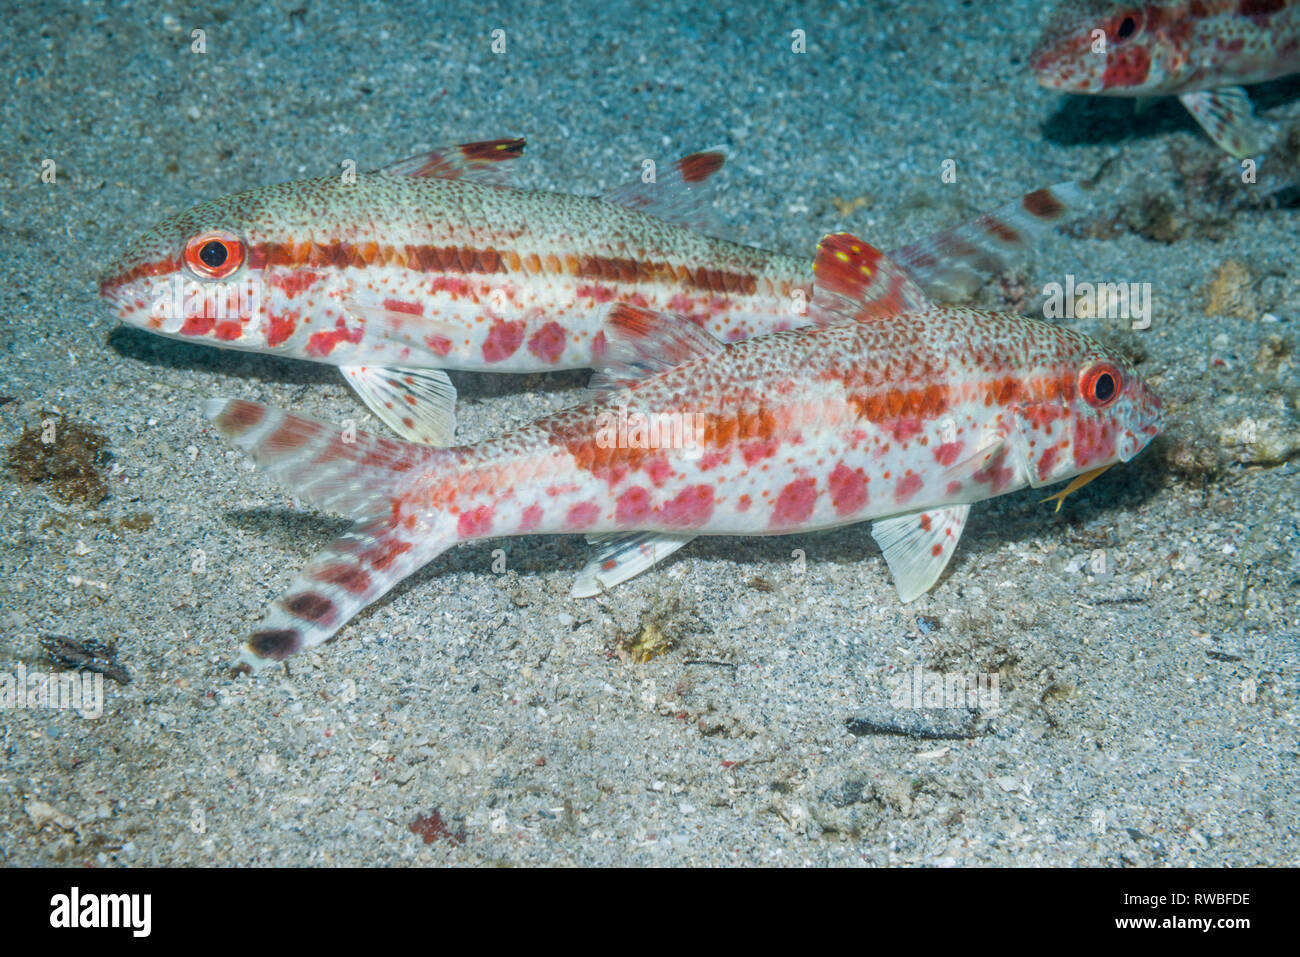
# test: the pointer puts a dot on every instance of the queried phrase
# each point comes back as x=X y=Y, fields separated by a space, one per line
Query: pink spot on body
x=691 y=508
x=457 y=287
x=228 y=331
x=904 y=429
x=1048 y=462
x=659 y=470
x=280 y=328
x=995 y=473
x=795 y=503
x=398 y=305
x=475 y=522
x=759 y=450
x=596 y=293
x=947 y=453
x=531 y=518
x=197 y=325
x=713 y=459
x=548 y=342
x=293 y=282
x=848 y=488
x=321 y=344
x=582 y=516
x=633 y=506
x=612 y=474
x=907 y=488
x=503 y=340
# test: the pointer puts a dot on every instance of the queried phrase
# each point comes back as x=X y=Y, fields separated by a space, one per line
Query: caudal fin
x=359 y=475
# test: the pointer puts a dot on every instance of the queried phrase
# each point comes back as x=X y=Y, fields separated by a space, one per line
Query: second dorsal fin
x=680 y=193
x=953 y=263
x=483 y=163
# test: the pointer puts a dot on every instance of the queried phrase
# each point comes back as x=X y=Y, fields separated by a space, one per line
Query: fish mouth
x=111 y=281
x=1045 y=79
x=109 y=290
x=1040 y=61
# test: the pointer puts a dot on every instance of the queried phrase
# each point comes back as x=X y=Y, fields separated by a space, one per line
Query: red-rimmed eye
x=1101 y=384
x=214 y=255
x=1126 y=26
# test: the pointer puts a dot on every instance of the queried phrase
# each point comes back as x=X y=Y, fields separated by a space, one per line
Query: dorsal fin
x=483 y=163
x=952 y=264
x=642 y=342
x=854 y=280
x=680 y=194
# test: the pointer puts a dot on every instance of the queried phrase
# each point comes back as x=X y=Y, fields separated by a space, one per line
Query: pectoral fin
x=1227 y=116
x=918 y=546
x=417 y=404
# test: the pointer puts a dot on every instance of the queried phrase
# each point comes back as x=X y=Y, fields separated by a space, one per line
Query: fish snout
x=1147 y=421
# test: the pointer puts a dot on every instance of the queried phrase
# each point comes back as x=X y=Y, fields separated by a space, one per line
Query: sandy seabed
x=1144 y=639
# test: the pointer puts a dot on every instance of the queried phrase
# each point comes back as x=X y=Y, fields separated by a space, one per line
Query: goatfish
x=887 y=408
x=436 y=263
x=1201 y=51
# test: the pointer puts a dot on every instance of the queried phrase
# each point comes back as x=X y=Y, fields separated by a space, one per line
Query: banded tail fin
x=351 y=474
x=361 y=476
x=952 y=264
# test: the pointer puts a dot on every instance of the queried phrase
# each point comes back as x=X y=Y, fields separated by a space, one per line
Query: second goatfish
x=888 y=409
x=1201 y=51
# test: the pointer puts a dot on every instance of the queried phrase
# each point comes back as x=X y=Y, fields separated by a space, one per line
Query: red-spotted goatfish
x=434 y=264
x=887 y=408
x=1199 y=50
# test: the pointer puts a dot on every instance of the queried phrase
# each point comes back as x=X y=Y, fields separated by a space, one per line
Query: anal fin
x=417 y=404
x=623 y=555
x=918 y=545
x=1227 y=116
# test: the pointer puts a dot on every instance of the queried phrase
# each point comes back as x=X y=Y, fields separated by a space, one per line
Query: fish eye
x=214 y=255
x=1126 y=28
x=1100 y=384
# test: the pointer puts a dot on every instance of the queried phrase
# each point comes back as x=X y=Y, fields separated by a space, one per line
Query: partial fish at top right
x=1201 y=51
